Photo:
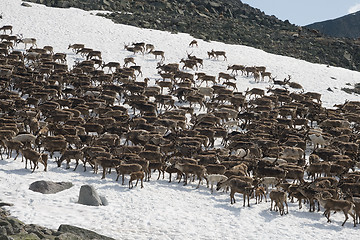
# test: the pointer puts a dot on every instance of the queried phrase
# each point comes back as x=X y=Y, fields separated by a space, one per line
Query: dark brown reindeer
x=193 y=43
x=6 y=28
x=217 y=54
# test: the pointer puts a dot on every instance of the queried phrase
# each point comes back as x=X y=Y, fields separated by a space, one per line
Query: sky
x=305 y=12
x=160 y=210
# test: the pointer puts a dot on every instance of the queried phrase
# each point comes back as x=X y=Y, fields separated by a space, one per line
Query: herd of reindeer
x=279 y=142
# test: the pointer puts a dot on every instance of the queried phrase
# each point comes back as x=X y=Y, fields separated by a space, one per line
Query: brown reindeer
x=193 y=43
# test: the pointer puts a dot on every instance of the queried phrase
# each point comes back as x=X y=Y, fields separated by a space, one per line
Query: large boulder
x=48 y=187
x=89 y=196
x=81 y=232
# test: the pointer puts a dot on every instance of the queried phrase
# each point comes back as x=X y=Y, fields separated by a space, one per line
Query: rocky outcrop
x=228 y=21
x=81 y=232
x=12 y=228
x=48 y=187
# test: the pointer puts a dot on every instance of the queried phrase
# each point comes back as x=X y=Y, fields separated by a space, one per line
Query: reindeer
x=76 y=47
x=255 y=91
x=129 y=60
x=206 y=78
x=26 y=41
x=92 y=54
x=134 y=49
x=257 y=76
x=198 y=60
x=111 y=65
x=226 y=76
x=230 y=84
x=5 y=28
x=237 y=185
x=157 y=53
x=189 y=63
x=192 y=43
x=139 y=45
x=216 y=54
x=336 y=205
x=189 y=168
x=235 y=68
x=249 y=70
x=265 y=74
x=149 y=47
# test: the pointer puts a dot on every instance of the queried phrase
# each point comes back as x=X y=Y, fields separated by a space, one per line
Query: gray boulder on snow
x=89 y=196
x=48 y=187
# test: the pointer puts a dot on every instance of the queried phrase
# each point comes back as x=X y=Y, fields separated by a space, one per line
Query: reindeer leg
x=199 y=183
x=354 y=218
x=34 y=167
x=9 y=153
x=67 y=164
x=159 y=174
x=77 y=163
x=179 y=178
x=84 y=166
x=185 y=180
x=104 y=172
x=346 y=218
x=327 y=215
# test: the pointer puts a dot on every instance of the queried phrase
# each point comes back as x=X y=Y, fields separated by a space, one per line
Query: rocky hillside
x=228 y=21
x=347 y=26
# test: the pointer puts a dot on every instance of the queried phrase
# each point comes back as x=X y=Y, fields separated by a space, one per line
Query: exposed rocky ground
x=228 y=21
x=355 y=89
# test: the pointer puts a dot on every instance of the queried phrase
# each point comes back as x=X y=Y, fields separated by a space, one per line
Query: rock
x=2 y=204
x=25 y=4
x=48 y=187
x=37 y=230
x=2 y=231
x=81 y=232
x=89 y=196
x=16 y=224
x=68 y=236
x=104 y=201
x=4 y=237
x=27 y=236
x=6 y=227
x=347 y=56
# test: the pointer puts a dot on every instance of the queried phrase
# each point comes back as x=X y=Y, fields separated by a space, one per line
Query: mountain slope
x=229 y=22
x=347 y=26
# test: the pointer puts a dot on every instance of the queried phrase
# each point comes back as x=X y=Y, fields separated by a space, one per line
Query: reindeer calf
x=139 y=175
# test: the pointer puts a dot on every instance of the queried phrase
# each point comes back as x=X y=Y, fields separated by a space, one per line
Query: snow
x=160 y=210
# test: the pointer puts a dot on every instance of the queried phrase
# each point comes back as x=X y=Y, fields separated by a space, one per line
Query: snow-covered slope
x=160 y=210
